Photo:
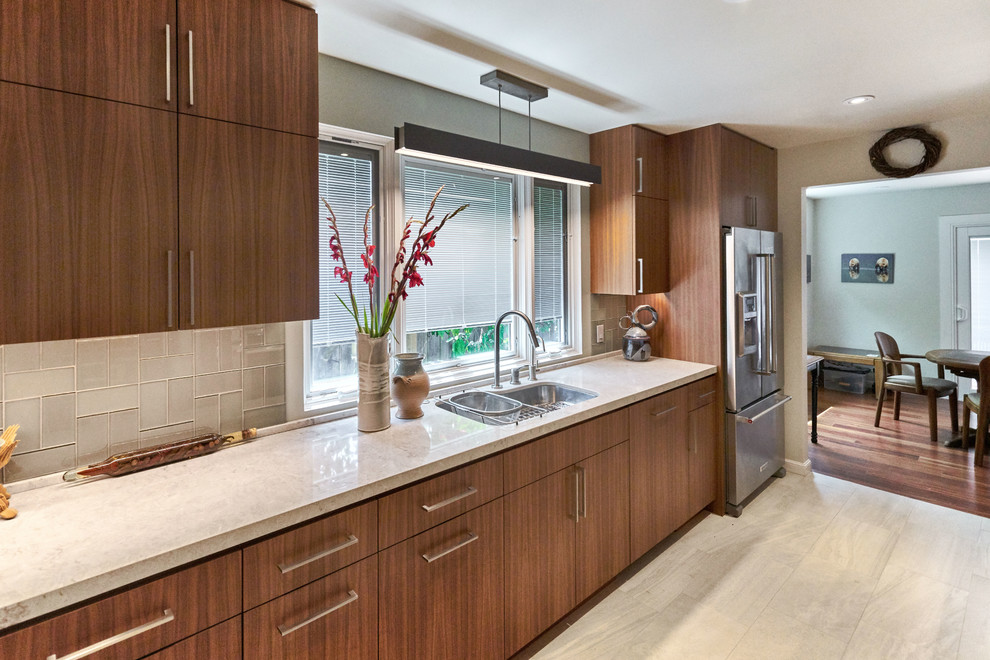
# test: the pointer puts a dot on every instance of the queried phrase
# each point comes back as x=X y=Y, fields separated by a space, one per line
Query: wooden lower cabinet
x=334 y=617
x=565 y=536
x=441 y=592
x=658 y=479
x=603 y=529
x=181 y=604
x=540 y=546
x=702 y=422
x=221 y=642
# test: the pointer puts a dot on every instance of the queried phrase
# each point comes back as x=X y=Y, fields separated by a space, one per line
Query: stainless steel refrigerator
x=754 y=374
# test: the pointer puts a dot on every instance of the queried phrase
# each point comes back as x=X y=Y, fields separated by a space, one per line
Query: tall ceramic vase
x=373 y=386
x=410 y=385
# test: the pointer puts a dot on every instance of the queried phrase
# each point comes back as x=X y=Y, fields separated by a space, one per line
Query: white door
x=971 y=287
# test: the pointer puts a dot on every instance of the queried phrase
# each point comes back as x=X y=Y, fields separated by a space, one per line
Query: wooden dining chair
x=896 y=381
x=981 y=406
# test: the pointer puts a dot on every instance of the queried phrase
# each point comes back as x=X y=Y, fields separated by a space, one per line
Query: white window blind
x=549 y=281
x=347 y=183
x=470 y=282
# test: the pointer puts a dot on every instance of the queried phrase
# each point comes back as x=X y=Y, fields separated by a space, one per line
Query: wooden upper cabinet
x=87 y=216
x=122 y=50
x=248 y=230
x=629 y=216
x=650 y=175
x=251 y=62
x=748 y=179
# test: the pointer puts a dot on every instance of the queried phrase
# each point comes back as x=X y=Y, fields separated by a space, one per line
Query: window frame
x=300 y=404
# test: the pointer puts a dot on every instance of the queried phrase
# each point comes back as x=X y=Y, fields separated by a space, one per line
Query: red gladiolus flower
x=415 y=279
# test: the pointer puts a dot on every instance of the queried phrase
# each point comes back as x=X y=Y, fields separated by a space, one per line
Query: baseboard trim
x=803 y=469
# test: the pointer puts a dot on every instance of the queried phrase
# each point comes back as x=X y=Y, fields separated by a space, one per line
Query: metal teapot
x=636 y=342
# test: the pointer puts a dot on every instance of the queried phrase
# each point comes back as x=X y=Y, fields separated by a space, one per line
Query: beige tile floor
x=815 y=567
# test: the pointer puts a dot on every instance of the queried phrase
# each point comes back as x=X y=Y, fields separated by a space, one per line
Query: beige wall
x=965 y=145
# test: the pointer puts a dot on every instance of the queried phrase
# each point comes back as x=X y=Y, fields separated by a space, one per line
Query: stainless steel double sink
x=514 y=405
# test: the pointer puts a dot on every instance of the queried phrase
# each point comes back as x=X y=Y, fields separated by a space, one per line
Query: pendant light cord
x=530 y=123
x=500 y=114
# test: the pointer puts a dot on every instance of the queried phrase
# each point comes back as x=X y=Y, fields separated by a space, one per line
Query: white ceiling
x=777 y=70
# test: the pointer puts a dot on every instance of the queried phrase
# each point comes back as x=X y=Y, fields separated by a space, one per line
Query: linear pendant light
x=434 y=144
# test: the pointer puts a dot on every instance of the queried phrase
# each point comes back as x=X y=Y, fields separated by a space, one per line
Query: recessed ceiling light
x=859 y=100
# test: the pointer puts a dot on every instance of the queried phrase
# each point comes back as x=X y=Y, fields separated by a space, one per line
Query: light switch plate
x=600 y=333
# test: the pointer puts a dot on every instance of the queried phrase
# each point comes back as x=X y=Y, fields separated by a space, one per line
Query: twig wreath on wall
x=933 y=149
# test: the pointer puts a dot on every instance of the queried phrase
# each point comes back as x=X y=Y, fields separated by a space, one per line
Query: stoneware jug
x=410 y=385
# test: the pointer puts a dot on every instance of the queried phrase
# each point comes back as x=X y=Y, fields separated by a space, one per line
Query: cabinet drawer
x=221 y=642
x=179 y=605
x=533 y=461
x=285 y=562
x=417 y=508
x=701 y=393
x=442 y=592
x=335 y=617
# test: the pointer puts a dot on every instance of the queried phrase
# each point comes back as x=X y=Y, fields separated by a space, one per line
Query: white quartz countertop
x=71 y=542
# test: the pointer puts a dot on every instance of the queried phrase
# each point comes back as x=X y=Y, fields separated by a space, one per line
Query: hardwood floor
x=898 y=457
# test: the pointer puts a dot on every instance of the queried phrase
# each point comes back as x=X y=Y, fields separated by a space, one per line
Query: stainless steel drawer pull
x=284 y=629
x=640 y=290
x=705 y=396
x=117 y=639
x=430 y=508
x=577 y=494
x=471 y=538
x=285 y=568
x=583 y=510
x=192 y=287
x=171 y=295
x=664 y=412
x=639 y=167
x=191 y=85
x=168 y=63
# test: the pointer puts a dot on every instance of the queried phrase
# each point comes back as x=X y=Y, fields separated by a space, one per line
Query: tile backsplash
x=607 y=310
x=79 y=401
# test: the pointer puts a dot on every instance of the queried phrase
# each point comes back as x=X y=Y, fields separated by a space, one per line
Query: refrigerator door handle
x=750 y=420
x=766 y=360
x=769 y=306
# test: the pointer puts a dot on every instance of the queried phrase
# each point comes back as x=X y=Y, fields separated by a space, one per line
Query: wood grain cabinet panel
x=87 y=216
x=603 y=528
x=197 y=598
x=411 y=510
x=335 y=617
x=748 y=179
x=441 y=592
x=248 y=232
x=629 y=215
x=537 y=459
x=540 y=546
x=252 y=63
x=112 y=49
x=704 y=407
x=658 y=480
x=221 y=642
x=282 y=563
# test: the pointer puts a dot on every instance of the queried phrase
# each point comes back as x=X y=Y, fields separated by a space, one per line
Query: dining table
x=962 y=363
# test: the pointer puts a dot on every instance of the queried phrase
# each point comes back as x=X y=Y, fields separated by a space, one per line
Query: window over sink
x=512 y=248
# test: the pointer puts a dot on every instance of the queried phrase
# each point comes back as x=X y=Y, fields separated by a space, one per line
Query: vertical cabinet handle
x=639 y=168
x=191 y=85
x=192 y=287
x=171 y=293
x=751 y=211
x=577 y=494
x=284 y=629
x=166 y=617
x=584 y=492
x=640 y=290
x=168 y=65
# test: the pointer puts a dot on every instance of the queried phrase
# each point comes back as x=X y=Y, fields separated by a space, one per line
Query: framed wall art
x=868 y=268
